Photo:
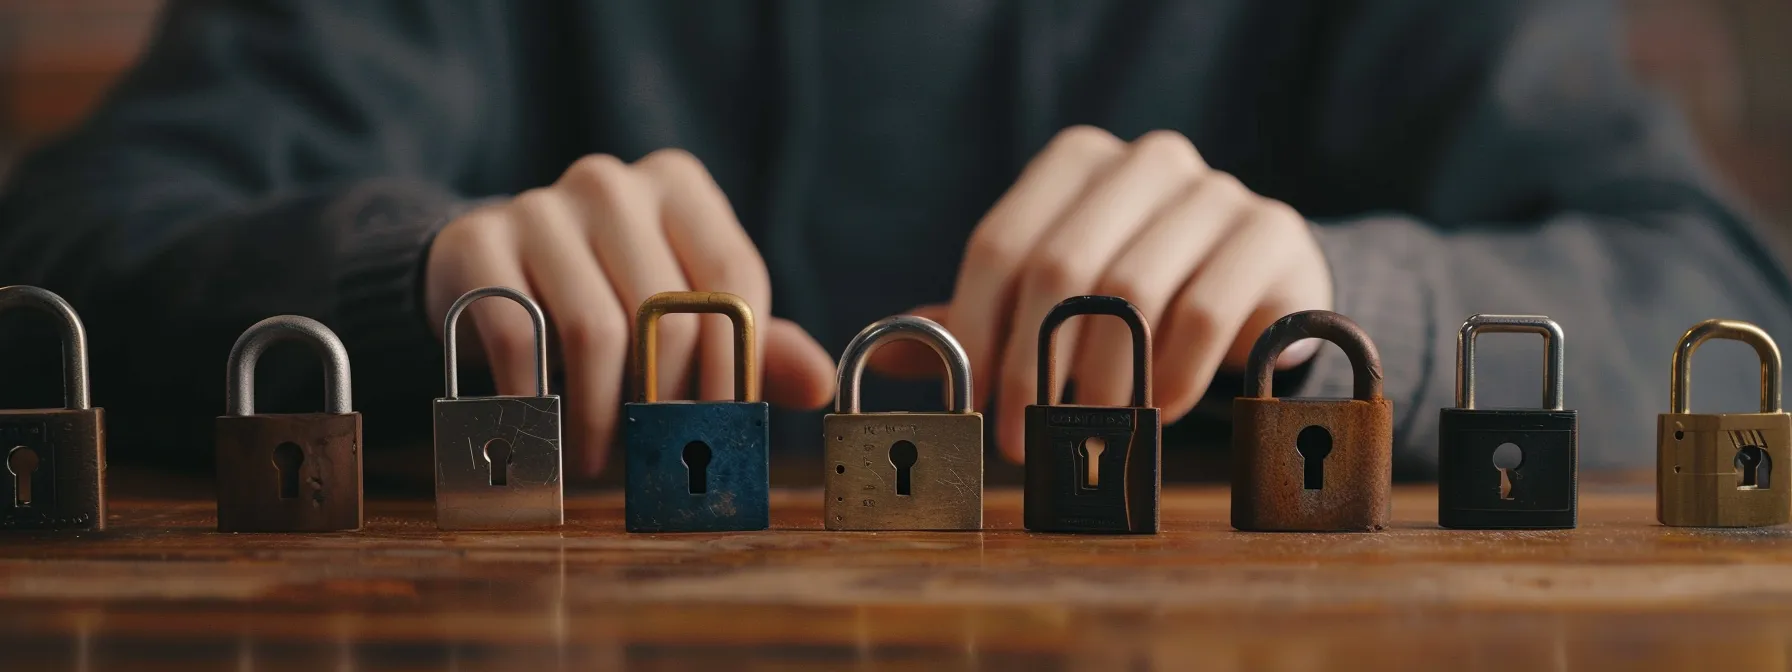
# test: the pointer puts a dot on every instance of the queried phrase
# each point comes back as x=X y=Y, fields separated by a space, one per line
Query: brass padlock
x=288 y=472
x=1312 y=465
x=498 y=464
x=1719 y=469
x=55 y=458
x=901 y=470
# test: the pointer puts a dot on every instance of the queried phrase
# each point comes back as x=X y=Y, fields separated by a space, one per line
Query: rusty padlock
x=288 y=472
x=1723 y=469
x=1312 y=465
x=1093 y=469
x=55 y=458
x=901 y=470
x=498 y=463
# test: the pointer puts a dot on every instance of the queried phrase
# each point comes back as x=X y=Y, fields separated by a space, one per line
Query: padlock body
x=67 y=488
x=251 y=495
x=1269 y=473
x=1543 y=492
x=1124 y=497
x=1698 y=482
x=731 y=491
x=945 y=483
x=523 y=490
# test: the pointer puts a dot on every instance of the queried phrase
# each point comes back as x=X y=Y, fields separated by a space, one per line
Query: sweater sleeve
x=1508 y=163
x=263 y=158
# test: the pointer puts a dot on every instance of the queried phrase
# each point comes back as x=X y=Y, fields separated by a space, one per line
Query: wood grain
x=160 y=590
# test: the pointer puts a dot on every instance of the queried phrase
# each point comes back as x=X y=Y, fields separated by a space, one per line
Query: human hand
x=590 y=248
x=1210 y=264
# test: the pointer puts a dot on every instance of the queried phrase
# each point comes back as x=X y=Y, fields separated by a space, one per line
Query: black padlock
x=1093 y=469
x=1508 y=468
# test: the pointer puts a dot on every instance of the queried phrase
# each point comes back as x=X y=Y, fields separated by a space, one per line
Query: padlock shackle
x=1096 y=305
x=239 y=370
x=904 y=328
x=1365 y=360
x=75 y=394
x=1680 y=389
x=451 y=353
x=1553 y=345
x=646 y=346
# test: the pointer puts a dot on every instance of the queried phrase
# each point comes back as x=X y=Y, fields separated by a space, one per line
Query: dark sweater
x=1457 y=157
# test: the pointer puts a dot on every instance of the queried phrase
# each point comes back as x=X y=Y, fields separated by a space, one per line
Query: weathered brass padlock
x=1093 y=469
x=901 y=470
x=55 y=459
x=1723 y=469
x=498 y=458
x=696 y=466
x=288 y=472
x=1312 y=465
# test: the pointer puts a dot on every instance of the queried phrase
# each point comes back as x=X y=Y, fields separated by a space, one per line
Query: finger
x=912 y=360
x=1300 y=286
x=1070 y=259
x=716 y=255
x=621 y=212
x=798 y=371
x=486 y=251
x=1005 y=238
x=1210 y=312
x=1149 y=272
x=586 y=315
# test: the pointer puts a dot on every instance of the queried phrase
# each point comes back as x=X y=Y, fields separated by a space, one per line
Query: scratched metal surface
x=945 y=481
x=531 y=494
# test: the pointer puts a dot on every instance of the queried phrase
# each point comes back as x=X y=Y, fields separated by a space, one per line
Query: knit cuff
x=387 y=226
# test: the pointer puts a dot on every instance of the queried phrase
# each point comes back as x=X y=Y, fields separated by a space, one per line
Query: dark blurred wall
x=1727 y=63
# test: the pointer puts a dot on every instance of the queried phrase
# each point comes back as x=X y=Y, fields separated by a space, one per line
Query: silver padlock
x=498 y=458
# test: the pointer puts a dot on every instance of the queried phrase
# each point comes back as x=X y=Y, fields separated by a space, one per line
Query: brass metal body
x=53 y=461
x=498 y=459
x=254 y=493
x=1724 y=469
x=939 y=485
x=1274 y=488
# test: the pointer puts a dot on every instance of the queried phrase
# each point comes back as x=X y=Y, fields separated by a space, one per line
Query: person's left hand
x=1210 y=264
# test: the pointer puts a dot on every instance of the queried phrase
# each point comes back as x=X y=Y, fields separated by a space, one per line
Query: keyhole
x=1756 y=468
x=287 y=459
x=1507 y=458
x=22 y=462
x=903 y=456
x=1092 y=449
x=1313 y=444
x=696 y=459
x=497 y=461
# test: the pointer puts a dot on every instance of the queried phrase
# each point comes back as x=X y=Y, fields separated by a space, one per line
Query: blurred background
x=1723 y=61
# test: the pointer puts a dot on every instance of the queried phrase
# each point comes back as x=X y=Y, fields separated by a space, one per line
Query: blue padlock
x=696 y=466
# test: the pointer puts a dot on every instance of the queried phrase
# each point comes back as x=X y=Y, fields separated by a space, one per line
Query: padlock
x=288 y=472
x=696 y=466
x=1724 y=469
x=498 y=464
x=1312 y=465
x=1481 y=484
x=55 y=475
x=1093 y=469
x=903 y=471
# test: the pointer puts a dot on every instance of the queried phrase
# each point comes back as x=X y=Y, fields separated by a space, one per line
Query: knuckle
x=508 y=341
x=597 y=172
x=1169 y=150
x=1280 y=215
x=1199 y=320
x=585 y=332
x=1085 y=141
x=1228 y=186
x=675 y=162
x=1132 y=286
x=988 y=246
x=1059 y=275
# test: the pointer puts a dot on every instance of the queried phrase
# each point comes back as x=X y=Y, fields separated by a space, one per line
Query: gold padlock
x=904 y=471
x=1717 y=469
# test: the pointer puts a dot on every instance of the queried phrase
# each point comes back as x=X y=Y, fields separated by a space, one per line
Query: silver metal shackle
x=911 y=328
x=1680 y=389
x=75 y=394
x=239 y=372
x=1510 y=324
x=536 y=319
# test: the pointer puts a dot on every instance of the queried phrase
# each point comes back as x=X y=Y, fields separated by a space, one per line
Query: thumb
x=910 y=360
x=798 y=371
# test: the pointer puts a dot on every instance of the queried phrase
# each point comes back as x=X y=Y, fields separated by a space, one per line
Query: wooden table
x=162 y=591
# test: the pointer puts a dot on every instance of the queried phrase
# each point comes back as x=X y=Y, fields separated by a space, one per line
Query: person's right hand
x=590 y=248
